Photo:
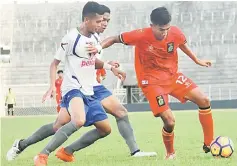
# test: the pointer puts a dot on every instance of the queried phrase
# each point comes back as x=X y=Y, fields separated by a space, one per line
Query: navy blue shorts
x=101 y=92
x=93 y=109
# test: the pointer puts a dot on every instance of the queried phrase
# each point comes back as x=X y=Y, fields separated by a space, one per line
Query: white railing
x=33 y=98
x=121 y=95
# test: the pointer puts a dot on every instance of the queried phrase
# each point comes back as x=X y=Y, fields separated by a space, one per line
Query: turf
x=113 y=150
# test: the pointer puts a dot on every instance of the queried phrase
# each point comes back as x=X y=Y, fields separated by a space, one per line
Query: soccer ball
x=222 y=147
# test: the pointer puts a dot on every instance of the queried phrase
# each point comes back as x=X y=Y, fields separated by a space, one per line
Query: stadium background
x=32 y=33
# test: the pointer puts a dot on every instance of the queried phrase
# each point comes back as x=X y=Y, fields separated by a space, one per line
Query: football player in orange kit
x=58 y=84
x=156 y=64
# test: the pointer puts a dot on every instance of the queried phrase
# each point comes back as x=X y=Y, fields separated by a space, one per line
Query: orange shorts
x=157 y=95
x=58 y=100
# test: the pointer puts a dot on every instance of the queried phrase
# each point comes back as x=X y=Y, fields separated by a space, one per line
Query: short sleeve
x=181 y=37
x=132 y=37
x=63 y=49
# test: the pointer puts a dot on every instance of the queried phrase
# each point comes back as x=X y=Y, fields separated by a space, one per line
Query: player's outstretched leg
x=102 y=130
x=76 y=109
x=205 y=115
x=42 y=133
x=113 y=107
x=168 y=133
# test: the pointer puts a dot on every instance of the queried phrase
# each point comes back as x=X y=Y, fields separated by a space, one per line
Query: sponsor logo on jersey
x=87 y=63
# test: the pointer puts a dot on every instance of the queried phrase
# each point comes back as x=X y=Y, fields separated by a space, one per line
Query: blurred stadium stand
x=33 y=31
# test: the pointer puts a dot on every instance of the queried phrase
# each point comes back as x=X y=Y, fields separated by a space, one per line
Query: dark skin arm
x=120 y=74
x=185 y=48
x=104 y=44
x=110 y=41
x=99 y=64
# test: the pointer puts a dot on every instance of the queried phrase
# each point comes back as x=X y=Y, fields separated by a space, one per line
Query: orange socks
x=168 y=139
x=205 y=117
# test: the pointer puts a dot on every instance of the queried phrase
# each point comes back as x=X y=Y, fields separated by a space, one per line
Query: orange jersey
x=58 y=84
x=156 y=62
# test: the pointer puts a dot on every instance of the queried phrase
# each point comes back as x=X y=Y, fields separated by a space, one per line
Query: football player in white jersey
x=111 y=106
x=77 y=86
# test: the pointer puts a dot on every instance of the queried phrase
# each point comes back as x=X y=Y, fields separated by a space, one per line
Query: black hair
x=91 y=8
x=59 y=71
x=160 y=16
x=105 y=9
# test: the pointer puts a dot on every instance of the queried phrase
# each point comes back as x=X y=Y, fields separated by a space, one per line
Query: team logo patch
x=160 y=101
x=170 y=47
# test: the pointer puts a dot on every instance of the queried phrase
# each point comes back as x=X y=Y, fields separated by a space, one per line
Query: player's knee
x=205 y=101
x=79 y=122
x=106 y=131
x=121 y=112
x=169 y=124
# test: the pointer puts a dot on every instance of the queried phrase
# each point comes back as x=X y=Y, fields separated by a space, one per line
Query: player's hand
x=206 y=63
x=103 y=77
x=49 y=94
x=114 y=63
x=120 y=74
x=93 y=49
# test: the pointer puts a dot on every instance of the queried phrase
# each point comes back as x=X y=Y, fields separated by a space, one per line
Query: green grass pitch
x=112 y=151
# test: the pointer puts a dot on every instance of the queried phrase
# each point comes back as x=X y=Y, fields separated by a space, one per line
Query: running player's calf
x=158 y=100
x=113 y=107
x=42 y=133
x=75 y=105
x=205 y=115
x=102 y=130
x=168 y=133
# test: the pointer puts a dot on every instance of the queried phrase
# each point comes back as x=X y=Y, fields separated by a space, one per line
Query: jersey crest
x=170 y=47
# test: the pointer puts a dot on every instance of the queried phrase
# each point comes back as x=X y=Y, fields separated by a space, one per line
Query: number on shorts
x=181 y=79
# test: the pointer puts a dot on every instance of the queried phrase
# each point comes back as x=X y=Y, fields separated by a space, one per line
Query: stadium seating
x=36 y=29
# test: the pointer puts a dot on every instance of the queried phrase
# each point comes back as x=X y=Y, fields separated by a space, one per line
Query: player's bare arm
x=110 y=41
x=185 y=48
x=120 y=74
x=53 y=69
x=114 y=63
x=104 y=44
x=100 y=64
